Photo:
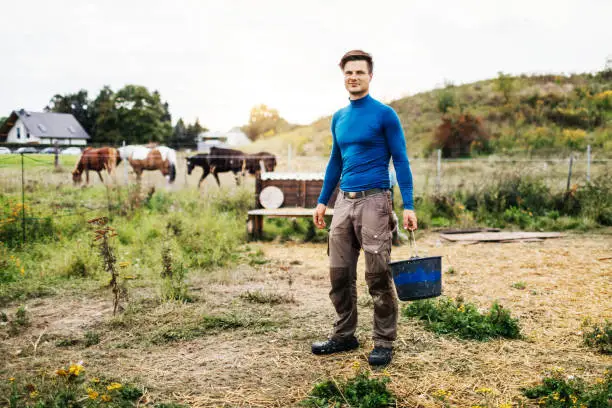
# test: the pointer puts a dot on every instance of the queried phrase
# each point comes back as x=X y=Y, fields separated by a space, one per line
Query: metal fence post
x=125 y=169
x=23 y=226
x=438 y=171
x=569 y=173
x=588 y=175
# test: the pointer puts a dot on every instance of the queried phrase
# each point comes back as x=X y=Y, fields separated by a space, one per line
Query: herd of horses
x=162 y=158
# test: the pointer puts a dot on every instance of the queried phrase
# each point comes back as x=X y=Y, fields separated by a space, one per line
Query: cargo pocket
x=374 y=242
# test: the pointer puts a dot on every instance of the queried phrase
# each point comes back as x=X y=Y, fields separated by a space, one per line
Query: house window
x=18 y=132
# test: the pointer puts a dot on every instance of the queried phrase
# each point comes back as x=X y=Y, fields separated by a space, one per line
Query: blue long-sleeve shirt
x=365 y=135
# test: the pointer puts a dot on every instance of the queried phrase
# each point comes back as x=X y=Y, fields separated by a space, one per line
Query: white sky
x=216 y=59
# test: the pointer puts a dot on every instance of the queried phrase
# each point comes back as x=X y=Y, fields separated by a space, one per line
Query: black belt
x=361 y=194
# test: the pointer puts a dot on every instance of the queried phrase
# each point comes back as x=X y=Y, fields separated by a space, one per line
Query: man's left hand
x=410 y=220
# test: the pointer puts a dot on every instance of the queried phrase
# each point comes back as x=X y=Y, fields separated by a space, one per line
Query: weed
x=598 y=336
x=359 y=391
x=447 y=316
x=19 y=322
x=103 y=234
x=210 y=325
x=91 y=339
x=173 y=275
x=257 y=258
x=519 y=285
x=451 y=271
x=259 y=296
x=559 y=391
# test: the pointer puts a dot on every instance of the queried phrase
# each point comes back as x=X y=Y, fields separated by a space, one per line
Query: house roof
x=46 y=124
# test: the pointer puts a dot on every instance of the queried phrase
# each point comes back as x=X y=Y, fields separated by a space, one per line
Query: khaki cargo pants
x=363 y=223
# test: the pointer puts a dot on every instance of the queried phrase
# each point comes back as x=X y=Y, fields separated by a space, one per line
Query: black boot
x=380 y=356
x=333 y=346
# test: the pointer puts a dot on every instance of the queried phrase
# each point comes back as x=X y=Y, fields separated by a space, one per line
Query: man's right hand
x=319 y=216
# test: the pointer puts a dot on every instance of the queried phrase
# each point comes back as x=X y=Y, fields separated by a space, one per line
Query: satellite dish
x=271 y=197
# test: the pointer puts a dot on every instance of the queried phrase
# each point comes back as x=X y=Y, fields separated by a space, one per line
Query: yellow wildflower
x=599 y=381
x=386 y=373
x=34 y=394
x=92 y=394
x=113 y=386
x=356 y=365
x=75 y=369
x=461 y=308
x=505 y=405
x=573 y=398
x=555 y=396
x=12 y=379
x=124 y=264
x=484 y=390
x=61 y=372
x=95 y=380
x=22 y=271
x=105 y=398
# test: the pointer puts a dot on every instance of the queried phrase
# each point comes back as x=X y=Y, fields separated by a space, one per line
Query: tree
x=186 y=135
x=457 y=136
x=138 y=115
x=505 y=84
x=77 y=104
x=264 y=120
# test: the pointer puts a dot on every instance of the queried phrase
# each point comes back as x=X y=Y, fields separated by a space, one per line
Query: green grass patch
x=519 y=285
x=558 y=390
x=210 y=325
x=360 y=391
x=448 y=316
x=261 y=297
x=598 y=336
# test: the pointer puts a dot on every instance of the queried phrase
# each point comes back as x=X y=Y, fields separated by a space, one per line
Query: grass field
x=207 y=319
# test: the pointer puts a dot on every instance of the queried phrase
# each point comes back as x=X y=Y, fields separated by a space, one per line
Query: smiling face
x=357 y=77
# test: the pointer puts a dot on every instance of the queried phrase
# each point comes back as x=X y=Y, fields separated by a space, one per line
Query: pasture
x=209 y=320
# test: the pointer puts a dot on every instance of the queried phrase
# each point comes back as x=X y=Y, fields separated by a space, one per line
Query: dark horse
x=221 y=160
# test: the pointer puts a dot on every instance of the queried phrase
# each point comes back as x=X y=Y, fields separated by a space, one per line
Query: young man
x=366 y=134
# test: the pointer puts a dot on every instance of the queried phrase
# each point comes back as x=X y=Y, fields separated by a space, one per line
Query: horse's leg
x=100 y=175
x=87 y=177
x=236 y=177
x=204 y=174
x=214 y=173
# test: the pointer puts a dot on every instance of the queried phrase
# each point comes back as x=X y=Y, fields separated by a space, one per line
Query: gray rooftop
x=47 y=124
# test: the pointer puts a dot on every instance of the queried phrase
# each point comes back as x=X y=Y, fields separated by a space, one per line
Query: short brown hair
x=357 y=55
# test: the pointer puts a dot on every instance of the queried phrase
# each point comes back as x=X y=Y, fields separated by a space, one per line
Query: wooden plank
x=287 y=212
x=499 y=236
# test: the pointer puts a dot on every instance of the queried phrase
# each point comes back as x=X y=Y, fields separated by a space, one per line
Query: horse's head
x=190 y=165
x=76 y=177
x=269 y=162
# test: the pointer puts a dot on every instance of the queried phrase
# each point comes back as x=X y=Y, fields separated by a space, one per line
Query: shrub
x=447 y=316
x=560 y=391
x=12 y=223
x=359 y=391
x=598 y=337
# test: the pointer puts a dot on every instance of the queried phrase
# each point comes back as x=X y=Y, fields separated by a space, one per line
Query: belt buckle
x=352 y=194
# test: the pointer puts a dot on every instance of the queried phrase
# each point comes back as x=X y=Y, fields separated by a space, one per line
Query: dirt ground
x=566 y=280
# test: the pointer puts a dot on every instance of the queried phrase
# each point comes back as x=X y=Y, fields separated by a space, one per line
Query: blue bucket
x=417 y=278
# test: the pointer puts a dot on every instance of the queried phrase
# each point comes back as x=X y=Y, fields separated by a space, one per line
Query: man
x=365 y=135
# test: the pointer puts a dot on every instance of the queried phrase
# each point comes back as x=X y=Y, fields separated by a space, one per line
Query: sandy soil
x=565 y=283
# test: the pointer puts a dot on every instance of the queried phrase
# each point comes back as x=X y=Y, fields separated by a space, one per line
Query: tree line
x=135 y=115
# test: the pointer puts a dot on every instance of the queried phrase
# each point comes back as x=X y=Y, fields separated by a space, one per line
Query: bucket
x=417 y=278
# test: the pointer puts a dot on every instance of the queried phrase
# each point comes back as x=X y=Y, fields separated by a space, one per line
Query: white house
x=232 y=138
x=42 y=128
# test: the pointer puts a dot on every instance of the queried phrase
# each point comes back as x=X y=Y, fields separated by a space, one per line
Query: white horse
x=142 y=158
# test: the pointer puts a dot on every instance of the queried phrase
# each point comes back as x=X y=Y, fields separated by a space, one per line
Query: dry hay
x=565 y=283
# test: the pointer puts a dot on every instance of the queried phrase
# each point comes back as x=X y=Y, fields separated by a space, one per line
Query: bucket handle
x=413 y=247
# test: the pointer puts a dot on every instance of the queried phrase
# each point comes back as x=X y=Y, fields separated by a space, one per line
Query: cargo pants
x=366 y=223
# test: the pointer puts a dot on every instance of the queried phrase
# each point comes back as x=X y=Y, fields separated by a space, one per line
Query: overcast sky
x=216 y=59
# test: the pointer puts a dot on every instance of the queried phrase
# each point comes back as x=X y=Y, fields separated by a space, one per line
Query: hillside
x=547 y=114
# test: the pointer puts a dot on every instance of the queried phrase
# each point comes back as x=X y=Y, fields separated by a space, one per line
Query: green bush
x=560 y=391
x=447 y=316
x=359 y=392
x=599 y=337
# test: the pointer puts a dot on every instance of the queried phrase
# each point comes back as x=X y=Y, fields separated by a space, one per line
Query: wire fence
x=40 y=188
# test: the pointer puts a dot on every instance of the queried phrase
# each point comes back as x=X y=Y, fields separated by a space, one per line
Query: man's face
x=357 y=77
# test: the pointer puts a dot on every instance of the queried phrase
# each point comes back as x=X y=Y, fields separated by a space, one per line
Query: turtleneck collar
x=356 y=103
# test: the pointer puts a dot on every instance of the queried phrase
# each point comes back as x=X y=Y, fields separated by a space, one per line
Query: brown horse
x=96 y=160
x=142 y=158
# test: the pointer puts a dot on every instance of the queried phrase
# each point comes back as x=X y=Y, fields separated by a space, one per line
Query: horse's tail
x=172 y=172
